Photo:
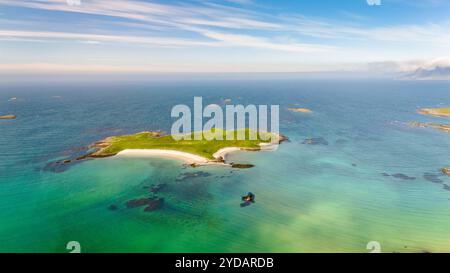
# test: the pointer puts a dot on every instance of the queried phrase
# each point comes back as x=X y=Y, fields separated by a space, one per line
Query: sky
x=143 y=36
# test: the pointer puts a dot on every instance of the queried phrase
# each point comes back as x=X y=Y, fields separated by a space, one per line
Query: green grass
x=205 y=148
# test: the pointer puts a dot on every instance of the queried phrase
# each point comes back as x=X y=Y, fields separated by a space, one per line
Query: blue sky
x=38 y=36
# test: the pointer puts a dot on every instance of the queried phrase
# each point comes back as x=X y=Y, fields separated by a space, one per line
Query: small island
x=446 y=171
x=438 y=112
x=194 y=152
x=8 y=117
x=300 y=110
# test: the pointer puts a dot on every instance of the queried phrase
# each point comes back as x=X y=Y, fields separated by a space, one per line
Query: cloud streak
x=184 y=18
x=240 y=24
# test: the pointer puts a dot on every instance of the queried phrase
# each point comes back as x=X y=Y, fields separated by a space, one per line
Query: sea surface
x=370 y=177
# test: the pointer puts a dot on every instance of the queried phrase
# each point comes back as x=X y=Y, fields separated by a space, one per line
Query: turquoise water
x=309 y=198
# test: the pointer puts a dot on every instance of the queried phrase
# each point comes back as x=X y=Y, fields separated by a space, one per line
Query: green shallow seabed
x=203 y=214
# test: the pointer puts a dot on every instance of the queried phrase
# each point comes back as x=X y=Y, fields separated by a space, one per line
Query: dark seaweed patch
x=157 y=188
x=113 y=207
x=341 y=141
x=403 y=176
x=152 y=203
x=315 y=141
x=432 y=178
x=399 y=176
x=189 y=175
x=56 y=167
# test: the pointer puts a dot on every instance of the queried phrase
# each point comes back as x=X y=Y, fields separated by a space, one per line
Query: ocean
x=370 y=177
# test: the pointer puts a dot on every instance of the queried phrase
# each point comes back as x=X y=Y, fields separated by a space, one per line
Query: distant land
x=300 y=110
x=435 y=73
x=8 y=117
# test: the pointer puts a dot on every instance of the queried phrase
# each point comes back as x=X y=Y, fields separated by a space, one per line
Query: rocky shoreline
x=441 y=127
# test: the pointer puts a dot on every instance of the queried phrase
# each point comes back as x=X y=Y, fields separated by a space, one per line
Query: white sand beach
x=186 y=157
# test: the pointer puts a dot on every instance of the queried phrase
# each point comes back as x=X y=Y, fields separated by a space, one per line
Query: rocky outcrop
x=241 y=166
x=247 y=200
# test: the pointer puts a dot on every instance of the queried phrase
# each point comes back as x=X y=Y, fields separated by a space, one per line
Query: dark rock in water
x=341 y=141
x=446 y=187
x=385 y=174
x=134 y=203
x=432 y=178
x=250 y=197
x=354 y=165
x=157 y=188
x=242 y=166
x=188 y=175
x=247 y=199
x=154 y=204
x=403 y=176
x=315 y=141
x=113 y=207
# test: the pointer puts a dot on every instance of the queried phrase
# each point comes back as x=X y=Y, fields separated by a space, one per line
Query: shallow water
x=309 y=198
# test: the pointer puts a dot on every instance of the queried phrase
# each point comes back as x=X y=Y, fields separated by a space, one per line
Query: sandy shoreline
x=186 y=157
x=189 y=158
